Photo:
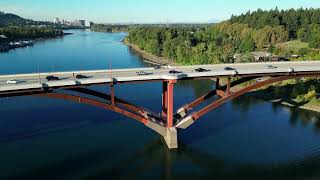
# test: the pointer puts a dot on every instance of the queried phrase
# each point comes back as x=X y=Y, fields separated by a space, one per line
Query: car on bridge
x=202 y=70
x=13 y=81
x=174 y=72
x=80 y=76
x=229 y=69
x=271 y=67
x=52 y=78
x=143 y=73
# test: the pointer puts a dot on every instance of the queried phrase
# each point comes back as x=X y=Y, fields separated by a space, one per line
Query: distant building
x=56 y=21
x=255 y=57
x=82 y=23
x=91 y=24
x=264 y=56
x=294 y=56
x=79 y=23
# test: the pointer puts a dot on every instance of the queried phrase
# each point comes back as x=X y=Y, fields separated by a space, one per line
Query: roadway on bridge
x=38 y=80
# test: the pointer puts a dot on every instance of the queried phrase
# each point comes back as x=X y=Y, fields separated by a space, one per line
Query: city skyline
x=143 y=11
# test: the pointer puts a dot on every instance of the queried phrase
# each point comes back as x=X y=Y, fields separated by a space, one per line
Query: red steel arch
x=227 y=96
x=78 y=99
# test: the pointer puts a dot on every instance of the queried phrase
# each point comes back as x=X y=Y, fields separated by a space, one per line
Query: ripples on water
x=43 y=138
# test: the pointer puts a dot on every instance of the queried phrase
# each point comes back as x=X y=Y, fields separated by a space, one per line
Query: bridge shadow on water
x=297 y=116
x=155 y=161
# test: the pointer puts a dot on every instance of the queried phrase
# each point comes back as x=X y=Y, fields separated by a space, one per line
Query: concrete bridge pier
x=171 y=138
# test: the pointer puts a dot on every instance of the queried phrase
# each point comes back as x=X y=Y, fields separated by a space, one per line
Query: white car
x=143 y=73
x=13 y=81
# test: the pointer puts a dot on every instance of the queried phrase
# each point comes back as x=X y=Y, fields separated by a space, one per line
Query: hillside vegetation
x=15 y=27
x=7 y=19
x=253 y=31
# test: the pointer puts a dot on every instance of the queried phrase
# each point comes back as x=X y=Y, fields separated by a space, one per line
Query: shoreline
x=306 y=106
x=153 y=59
x=148 y=57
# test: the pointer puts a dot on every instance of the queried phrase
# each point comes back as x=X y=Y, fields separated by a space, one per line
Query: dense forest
x=109 y=28
x=127 y=27
x=14 y=32
x=272 y=31
x=300 y=24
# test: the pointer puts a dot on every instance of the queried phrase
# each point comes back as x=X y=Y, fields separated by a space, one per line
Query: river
x=42 y=138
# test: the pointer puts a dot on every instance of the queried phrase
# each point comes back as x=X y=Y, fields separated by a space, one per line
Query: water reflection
x=297 y=116
x=145 y=163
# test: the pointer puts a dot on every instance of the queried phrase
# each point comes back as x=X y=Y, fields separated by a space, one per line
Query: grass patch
x=293 y=46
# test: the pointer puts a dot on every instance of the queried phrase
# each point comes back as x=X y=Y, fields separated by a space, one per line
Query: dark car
x=79 y=76
x=202 y=70
x=271 y=67
x=229 y=69
x=52 y=78
x=174 y=72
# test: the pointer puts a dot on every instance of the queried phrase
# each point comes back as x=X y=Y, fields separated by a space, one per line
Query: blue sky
x=144 y=11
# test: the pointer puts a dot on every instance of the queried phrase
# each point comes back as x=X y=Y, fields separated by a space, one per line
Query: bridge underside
x=167 y=122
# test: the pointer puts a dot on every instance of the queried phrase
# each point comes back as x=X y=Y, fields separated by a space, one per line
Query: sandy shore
x=148 y=57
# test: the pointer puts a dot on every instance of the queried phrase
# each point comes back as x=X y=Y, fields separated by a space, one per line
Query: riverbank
x=282 y=93
x=148 y=57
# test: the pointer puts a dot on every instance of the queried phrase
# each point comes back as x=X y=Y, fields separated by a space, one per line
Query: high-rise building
x=80 y=23
x=56 y=21
x=76 y=23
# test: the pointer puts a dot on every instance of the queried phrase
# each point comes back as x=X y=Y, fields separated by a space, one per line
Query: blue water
x=42 y=138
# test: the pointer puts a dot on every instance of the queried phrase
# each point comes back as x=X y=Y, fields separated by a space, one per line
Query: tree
x=315 y=40
x=247 y=45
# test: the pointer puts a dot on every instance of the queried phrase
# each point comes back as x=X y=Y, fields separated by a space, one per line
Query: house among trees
x=261 y=56
x=264 y=56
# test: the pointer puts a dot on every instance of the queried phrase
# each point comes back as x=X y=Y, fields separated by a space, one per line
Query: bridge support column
x=112 y=93
x=164 y=99
x=167 y=111
x=228 y=92
x=170 y=103
x=217 y=83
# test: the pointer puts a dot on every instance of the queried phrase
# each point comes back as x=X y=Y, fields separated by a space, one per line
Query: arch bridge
x=168 y=121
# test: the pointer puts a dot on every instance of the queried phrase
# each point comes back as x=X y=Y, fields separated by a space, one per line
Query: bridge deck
x=38 y=81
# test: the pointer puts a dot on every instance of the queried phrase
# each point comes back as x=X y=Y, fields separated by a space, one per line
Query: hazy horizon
x=143 y=11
